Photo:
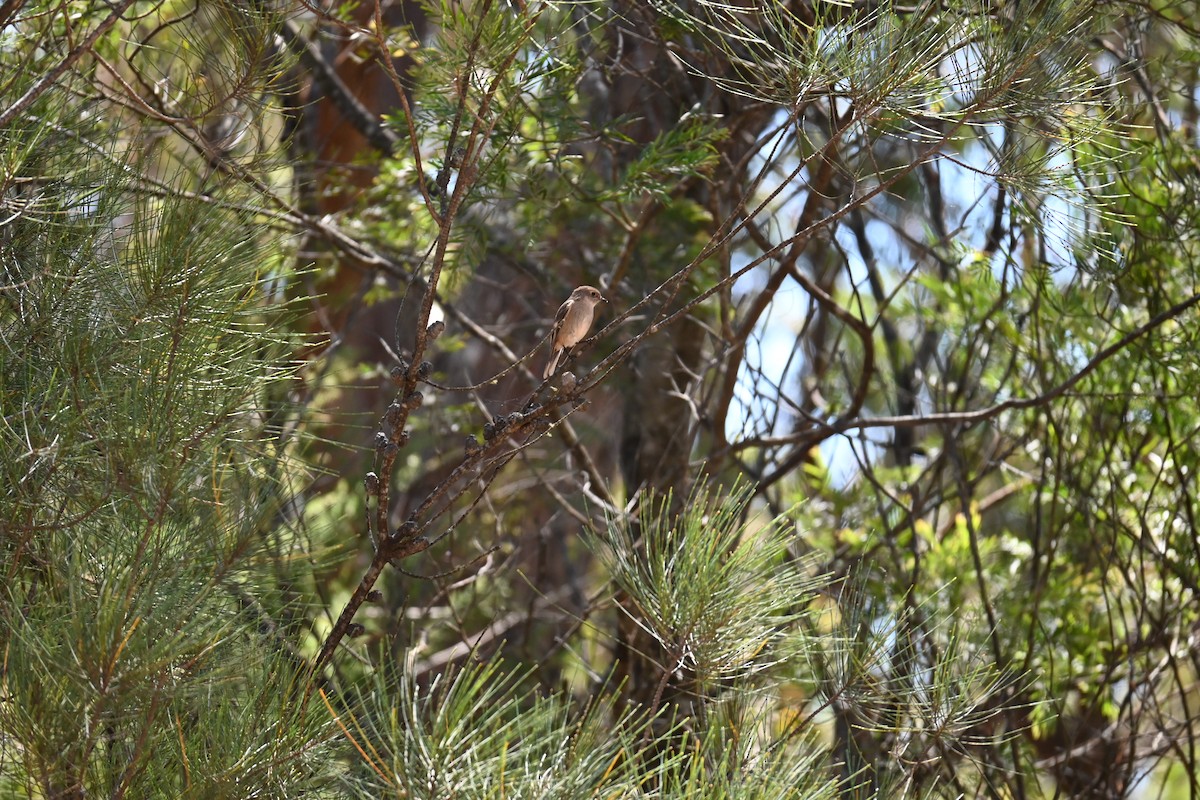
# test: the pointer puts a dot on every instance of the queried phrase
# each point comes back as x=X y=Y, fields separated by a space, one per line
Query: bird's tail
x=553 y=365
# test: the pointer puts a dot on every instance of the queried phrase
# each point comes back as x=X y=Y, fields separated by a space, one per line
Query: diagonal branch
x=46 y=81
x=361 y=117
x=807 y=442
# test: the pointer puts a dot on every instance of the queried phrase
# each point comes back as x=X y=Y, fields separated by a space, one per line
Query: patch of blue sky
x=969 y=188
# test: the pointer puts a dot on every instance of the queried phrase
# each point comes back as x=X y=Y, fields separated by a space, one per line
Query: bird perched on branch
x=571 y=323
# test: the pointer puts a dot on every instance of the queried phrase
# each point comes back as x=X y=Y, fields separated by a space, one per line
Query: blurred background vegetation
x=876 y=479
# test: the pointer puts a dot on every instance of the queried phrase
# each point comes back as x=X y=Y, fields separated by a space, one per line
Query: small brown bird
x=571 y=323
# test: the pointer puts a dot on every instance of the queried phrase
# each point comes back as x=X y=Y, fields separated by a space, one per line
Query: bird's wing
x=562 y=313
x=558 y=323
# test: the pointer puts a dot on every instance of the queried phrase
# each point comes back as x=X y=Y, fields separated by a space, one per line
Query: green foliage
x=479 y=733
x=735 y=756
x=957 y=362
x=687 y=150
x=718 y=593
x=138 y=349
